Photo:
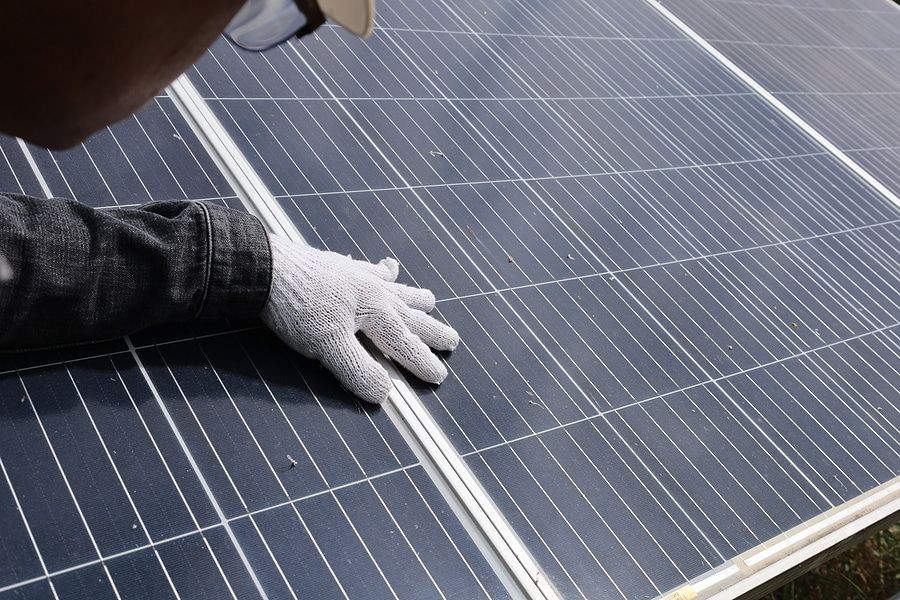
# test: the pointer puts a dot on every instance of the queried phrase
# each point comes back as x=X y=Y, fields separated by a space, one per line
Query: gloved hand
x=319 y=300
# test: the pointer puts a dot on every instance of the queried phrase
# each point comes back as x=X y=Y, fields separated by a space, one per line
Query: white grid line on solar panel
x=817 y=70
x=625 y=271
x=550 y=178
x=848 y=118
x=838 y=68
x=850 y=122
x=552 y=36
x=836 y=46
x=519 y=17
x=630 y=39
x=518 y=179
x=484 y=98
x=883 y=163
x=801 y=25
x=155 y=544
x=837 y=94
x=886 y=10
x=463 y=558
x=803 y=353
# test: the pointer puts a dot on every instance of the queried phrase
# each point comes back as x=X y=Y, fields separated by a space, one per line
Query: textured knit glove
x=320 y=299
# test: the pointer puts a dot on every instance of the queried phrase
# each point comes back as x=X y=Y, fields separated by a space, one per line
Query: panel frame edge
x=774 y=562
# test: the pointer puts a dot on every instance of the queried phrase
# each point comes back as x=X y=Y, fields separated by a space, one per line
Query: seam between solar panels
x=446 y=468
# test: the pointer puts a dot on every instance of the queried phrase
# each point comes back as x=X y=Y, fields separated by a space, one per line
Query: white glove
x=319 y=300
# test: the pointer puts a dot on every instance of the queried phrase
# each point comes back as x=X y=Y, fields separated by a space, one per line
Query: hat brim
x=356 y=16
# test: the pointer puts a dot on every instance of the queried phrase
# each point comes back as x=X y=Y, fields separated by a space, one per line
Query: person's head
x=71 y=68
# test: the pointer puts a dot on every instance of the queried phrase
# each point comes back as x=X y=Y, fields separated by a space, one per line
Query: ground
x=868 y=571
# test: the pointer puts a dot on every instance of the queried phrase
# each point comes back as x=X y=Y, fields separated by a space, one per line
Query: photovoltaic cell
x=166 y=471
x=669 y=297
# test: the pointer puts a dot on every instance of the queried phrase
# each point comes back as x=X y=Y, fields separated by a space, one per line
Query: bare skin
x=71 y=68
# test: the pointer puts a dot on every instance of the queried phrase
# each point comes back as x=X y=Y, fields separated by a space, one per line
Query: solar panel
x=203 y=461
x=678 y=318
x=668 y=295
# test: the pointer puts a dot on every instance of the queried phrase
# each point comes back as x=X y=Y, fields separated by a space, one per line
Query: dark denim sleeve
x=82 y=274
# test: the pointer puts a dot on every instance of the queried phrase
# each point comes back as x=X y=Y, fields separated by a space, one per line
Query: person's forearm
x=80 y=274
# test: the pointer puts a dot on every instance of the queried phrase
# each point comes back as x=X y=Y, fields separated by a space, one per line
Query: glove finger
x=417 y=298
x=355 y=368
x=386 y=268
x=389 y=333
x=439 y=336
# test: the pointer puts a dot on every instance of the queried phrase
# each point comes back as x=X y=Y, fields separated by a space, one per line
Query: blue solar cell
x=89 y=582
x=140 y=575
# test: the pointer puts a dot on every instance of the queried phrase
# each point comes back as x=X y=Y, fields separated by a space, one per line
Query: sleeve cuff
x=239 y=264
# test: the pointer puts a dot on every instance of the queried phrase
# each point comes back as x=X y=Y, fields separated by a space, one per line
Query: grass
x=868 y=571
